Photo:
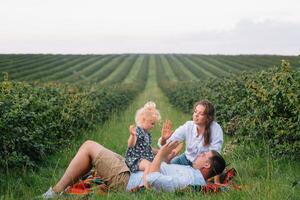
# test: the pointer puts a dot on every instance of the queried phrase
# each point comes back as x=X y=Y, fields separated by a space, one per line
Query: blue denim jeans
x=181 y=160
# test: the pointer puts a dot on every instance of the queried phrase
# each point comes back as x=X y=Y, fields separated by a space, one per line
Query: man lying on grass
x=161 y=176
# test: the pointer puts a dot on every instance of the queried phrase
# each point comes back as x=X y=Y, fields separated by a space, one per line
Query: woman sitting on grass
x=201 y=134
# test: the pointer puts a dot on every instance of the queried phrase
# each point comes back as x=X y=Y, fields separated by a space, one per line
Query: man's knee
x=88 y=143
x=91 y=147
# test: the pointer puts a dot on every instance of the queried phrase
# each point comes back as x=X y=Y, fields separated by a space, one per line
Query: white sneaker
x=50 y=194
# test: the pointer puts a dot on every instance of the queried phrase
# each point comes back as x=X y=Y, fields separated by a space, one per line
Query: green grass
x=260 y=176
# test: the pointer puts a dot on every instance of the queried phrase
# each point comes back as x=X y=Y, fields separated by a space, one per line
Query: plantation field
x=110 y=69
x=50 y=104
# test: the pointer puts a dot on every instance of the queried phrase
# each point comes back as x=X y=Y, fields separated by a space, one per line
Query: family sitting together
x=161 y=169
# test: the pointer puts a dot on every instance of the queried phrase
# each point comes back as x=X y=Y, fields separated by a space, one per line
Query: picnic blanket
x=91 y=183
x=227 y=183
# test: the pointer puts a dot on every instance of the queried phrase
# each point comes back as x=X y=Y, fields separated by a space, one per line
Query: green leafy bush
x=37 y=119
x=262 y=106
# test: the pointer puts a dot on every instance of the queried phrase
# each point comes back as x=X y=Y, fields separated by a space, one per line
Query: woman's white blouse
x=194 y=145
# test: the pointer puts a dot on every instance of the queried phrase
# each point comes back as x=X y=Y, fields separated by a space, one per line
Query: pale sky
x=152 y=26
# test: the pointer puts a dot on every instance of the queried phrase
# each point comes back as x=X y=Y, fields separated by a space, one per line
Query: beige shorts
x=112 y=168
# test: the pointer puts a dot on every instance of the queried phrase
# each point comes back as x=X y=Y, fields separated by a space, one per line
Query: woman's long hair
x=210 y=117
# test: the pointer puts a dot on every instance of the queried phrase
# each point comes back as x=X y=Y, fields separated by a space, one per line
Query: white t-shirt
x=194 y=145
x=169 y=178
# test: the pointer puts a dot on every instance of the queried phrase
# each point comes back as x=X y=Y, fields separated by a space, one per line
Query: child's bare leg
x=144 y=166
x=80 y=164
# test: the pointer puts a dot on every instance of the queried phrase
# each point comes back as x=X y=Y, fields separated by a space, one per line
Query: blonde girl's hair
x=210 y=117
x=148 y=111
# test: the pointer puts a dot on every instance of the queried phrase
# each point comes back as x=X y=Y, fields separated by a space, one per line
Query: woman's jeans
x=181 y=160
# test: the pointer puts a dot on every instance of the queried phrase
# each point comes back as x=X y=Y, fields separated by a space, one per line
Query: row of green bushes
x=263 y=106
x=38 y=119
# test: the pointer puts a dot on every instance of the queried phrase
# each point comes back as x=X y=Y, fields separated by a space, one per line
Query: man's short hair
x=217 y=164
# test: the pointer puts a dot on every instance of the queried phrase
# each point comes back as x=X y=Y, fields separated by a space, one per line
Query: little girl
x=139 y=154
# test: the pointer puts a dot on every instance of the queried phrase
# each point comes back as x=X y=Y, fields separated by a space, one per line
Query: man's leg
x=80 y=165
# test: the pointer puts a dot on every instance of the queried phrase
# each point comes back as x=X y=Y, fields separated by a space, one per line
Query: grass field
x=260 y=176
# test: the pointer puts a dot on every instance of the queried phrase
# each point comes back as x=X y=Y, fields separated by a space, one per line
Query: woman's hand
x=166 y=130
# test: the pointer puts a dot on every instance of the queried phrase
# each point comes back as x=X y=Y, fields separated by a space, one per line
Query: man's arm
x=154 y=177
x=161 y=155
x=154 y=150
x=174 y=152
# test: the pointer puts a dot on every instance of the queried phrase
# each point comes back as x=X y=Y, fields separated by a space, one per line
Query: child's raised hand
x=132 y=130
